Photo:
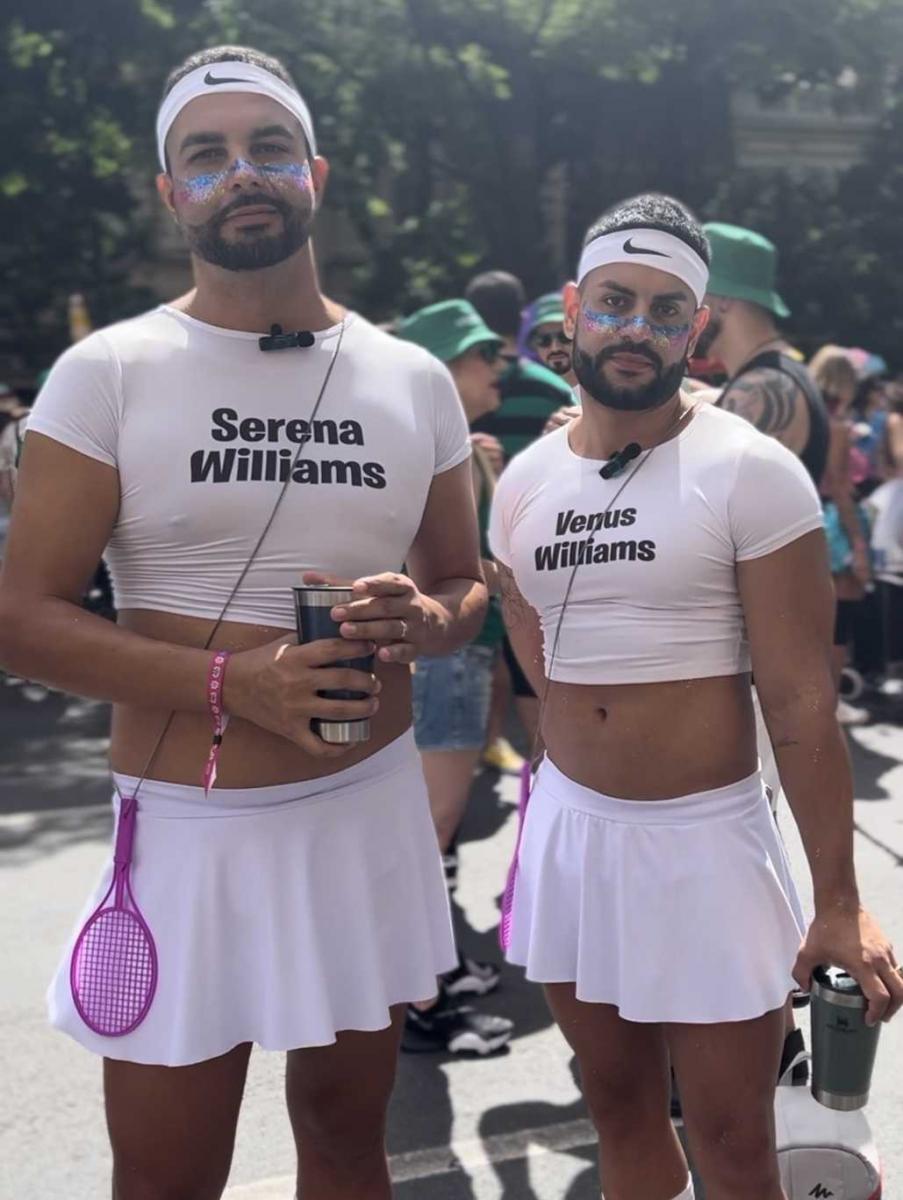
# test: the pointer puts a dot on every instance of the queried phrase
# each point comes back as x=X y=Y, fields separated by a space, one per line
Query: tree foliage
x=463 y=133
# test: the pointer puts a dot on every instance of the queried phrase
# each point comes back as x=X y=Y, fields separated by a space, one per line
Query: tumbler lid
x=322 y=595
x=837 y=987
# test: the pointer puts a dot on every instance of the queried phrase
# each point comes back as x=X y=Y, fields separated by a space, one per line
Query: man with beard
x=545 y=337
x=650 y=554
x=767 y=385
x=300 y=903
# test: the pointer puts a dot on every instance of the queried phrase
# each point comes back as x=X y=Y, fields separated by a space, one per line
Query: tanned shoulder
x=768 y=399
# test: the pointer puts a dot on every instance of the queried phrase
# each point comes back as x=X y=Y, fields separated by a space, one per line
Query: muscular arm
x=790 y=633
x=444 y=562
x=524 y=630
x=65 y=509
x=772 y=402
x=790 y=629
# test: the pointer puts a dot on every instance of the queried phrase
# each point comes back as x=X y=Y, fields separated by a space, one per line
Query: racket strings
x=115 y=971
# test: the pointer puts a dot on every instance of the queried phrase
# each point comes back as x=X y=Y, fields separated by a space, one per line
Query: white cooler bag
x=824 y=1155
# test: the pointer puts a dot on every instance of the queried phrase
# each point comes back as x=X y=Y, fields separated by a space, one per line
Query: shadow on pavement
x=426 y=1117
x=53 y=753
x=514 y=1175
x=54 y=775
x=869 y=767
x=37 y=835
x=877 y=842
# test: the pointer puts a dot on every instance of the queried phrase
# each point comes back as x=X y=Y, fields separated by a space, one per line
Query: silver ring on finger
x=404 y=631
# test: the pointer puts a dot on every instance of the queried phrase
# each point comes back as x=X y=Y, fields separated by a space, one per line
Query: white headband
x=230 y=77
x=649 y=248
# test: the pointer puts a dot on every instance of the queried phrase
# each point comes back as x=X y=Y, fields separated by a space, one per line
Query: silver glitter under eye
x=611 y=324
x=200 y=189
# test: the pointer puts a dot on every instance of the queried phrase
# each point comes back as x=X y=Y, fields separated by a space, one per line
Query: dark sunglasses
x=489 y=352
x=543 y=341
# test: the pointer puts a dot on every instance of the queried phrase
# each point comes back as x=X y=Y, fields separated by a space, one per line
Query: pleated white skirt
x=282 y=915
x=672 y=910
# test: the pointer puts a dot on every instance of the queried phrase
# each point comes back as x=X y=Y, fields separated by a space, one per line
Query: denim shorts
x=451 y=699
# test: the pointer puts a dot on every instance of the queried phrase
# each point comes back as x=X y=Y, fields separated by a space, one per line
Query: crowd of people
x=465 y=471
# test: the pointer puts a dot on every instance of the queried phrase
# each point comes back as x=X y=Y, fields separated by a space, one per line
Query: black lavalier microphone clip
x=620 y=459
x=277 y=340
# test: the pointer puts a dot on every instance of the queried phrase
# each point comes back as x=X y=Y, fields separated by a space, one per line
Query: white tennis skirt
x=281 y=915
x=672 y=910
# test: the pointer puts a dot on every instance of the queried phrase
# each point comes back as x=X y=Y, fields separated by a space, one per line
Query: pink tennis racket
x=113 y=971
x=508 y=894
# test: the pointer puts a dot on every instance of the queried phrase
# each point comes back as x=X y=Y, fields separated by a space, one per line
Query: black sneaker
x=448 y=1029
x=794 y=1044
x=470 y=978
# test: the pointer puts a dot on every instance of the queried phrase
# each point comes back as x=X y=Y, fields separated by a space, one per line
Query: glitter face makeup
x=665 y=346
x=206 y=203
x=202 y=189
x=662 y=337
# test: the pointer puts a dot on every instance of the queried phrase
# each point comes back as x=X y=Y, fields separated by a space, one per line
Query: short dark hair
x=222 y=54
x=653 y=211
x=500 y=299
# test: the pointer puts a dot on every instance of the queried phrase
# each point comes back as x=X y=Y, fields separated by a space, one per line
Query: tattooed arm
x=524 y=629
x=772 y=402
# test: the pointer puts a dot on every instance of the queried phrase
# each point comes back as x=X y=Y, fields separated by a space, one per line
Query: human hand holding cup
x=387 y=609
x=314 y=605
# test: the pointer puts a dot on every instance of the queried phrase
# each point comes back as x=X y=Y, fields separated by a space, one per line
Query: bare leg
x=172 y=1129
x=449 y=776
x=726 y=1075
x=337 y=1100
x=626 y=1084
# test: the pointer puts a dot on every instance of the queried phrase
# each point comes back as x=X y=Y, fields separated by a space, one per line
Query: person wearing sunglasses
x=545 y=337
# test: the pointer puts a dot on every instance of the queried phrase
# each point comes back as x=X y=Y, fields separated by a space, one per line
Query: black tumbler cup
x=313 y=604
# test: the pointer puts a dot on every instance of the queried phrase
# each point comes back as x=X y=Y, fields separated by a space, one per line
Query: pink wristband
x=216 y=676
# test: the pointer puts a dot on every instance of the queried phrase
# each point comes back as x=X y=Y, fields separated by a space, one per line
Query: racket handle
x=125 y=831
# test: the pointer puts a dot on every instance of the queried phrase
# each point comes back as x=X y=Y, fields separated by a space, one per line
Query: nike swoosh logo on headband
x=629 y=248
x=214 y=79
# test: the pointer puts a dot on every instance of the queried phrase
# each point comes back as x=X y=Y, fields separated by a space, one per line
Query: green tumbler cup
x=843 y=1046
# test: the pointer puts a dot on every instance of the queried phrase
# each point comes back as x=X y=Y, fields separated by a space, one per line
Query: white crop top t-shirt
x=202 y=427
x=655 y=597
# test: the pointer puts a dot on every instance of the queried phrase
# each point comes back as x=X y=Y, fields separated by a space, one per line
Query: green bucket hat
x=547 y=310
x=447 y=329
x=744 y=267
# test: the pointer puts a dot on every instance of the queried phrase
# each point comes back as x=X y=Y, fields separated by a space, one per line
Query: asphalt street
x=506 y=1128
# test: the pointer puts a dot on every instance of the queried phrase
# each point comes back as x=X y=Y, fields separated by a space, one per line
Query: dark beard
x=709 y=336
x=560 y=367
x=665 y=385
x=207 y=242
